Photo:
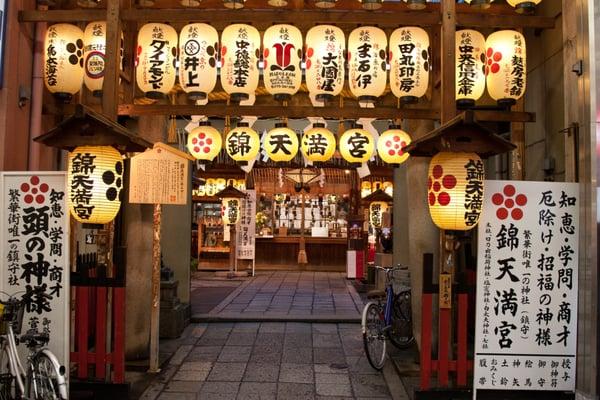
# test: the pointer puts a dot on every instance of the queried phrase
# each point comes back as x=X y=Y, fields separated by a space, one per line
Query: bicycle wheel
x=400 y=333
x=44 y=378
x=8 y=385
x=373 y=336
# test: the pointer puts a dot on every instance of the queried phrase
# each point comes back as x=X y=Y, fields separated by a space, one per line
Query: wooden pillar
x=110 y=87
x=155 y=309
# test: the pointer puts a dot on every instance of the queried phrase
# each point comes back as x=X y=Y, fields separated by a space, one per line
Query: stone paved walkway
x=285 y=294
x=269 y=360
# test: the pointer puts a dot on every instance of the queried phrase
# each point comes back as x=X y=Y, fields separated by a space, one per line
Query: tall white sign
x=526 y=320
x=34 y=250
x=246 y=233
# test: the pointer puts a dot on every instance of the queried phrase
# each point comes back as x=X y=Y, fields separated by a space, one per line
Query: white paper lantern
x=155 y=60
x=325 y=61
x=318 y=143
x=481 y=4
x=524 y=6
x=410 y=62
x=63 y=60
x=281 y=143
x=204 y=142
x=376 y=210
x=506 y=66
x=391 y=144
x=198 y=46
x=357 y=145
x=94 y=50
x=282 y=55
x=242 y=143
x=230 y=210
x=240 y=49
x=470 y=72
x=367 y=50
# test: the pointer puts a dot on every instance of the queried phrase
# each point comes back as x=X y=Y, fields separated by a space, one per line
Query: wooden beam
x=62 y=15
x=503 y=116
x=110 y=87
x=448 y=70
x=484 y=20
x=222 y=110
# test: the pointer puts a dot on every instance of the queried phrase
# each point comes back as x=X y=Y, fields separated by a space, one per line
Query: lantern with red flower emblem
x=506 y=66
x=204 y=142
x=391 y=144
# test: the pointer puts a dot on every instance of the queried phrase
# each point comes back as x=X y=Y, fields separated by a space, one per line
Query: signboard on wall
x=34 y=250
x=246 y=233
x=526 y=319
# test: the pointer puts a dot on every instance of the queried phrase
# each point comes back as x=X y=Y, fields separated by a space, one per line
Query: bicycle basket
x=11 y=313
x=400 y=280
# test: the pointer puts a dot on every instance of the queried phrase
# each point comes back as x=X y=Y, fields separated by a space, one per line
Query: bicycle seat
x=372 y=294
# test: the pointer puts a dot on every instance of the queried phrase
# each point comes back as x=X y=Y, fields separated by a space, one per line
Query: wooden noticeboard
x=159 y=176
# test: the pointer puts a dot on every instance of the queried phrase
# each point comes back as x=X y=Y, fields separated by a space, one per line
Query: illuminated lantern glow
x=481 y=4
x=470 y=67
x=357 y=145
x=318 y=143
x=230 y=210
x=376 y=210
x=211 y=187
x=221 y=184
x=94 y=183
x=416 y=4
x=506 y=66
x=281 y=143
x=190 y=3
x=371 y=4
x=325 y=61
x=391 y=144
x=198 y=46
x=524 y=6
x=234 y=4
x=63 y=60
x=94 y=50
x=155 y=59
x=367 y=50
x=204 y=142
x=410 y=63
x=242 y=143
x=277 y=3
x=240 y=184
x=240 y=50
x=282 y=55
x=455 y=193
x=365 y=189
x=325 y=3
x=388 y=187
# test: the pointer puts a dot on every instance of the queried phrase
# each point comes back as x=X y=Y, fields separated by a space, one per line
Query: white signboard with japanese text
x=35 y=253
x=246 y=232
x=526 y=320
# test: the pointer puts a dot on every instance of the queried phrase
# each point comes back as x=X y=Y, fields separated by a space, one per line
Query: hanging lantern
x=204 y=142
x=325 y=3
x=470 y=62
x=325 y=61
x=367 y=49
x=94 y=50
x=63 y=60
x=240 y=50
x=391 y=144
x=371 y=4
x=94 y=183
x=506 y=66
x=365 y=189
x=357 y=145
x=211 y=187
x=388 y=188
x=234 y=4
x=155 y=59
x=455 y=194
x=198 y=44
x=230 y=210
x=416 y=4
x=242 y=143
x=524 y=6
x=281 y=143
x=318 y=143
x=481 y=4
x=376 y=210
x=282 y=57
x=277 y=3
x=410 y=62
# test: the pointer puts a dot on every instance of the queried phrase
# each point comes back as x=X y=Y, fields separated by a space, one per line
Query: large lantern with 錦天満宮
x=455 y=194
x=242 y=143
x=376 y=210
x=282 y=55
x=94 y=183
x=94 y=50
x=391 y=144
x=506 y=66
x=410 y=63
x=240 y=51
x=204 y=142
x=63 y=60
x=325 y=61
x=367 y=53
x=357 y=145
x=470 y=72
x=318 y=143
x=281 y=143
x=155 y=59
x=198 y=46
x=524 y=6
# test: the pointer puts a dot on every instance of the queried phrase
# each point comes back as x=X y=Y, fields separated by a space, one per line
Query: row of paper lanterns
x=72 y=57
x=281 y=144
x=213 y=186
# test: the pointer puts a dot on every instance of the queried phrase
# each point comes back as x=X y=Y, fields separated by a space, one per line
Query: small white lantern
x=282 y=55
x=325 y=61
x=506 y=66
x=155 y=59
x=367 y=50
x=240 y=49
x=470 y=71
x=410 y=62
x=198 y=46
x=63 y=60
x=94 y=51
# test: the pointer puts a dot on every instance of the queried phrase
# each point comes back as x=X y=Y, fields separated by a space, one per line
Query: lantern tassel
x=172 y=132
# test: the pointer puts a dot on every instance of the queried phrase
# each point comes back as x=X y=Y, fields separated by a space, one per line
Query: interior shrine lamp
x=524 y=6
x=63 y=60
x=94 y=51
x=155 y=59
x=325 y=61
x=282 y=56
x=470 y=72
x=367 y=75
x=410 y=63
x=198 y=46
x=240 y=50
x=506 y=66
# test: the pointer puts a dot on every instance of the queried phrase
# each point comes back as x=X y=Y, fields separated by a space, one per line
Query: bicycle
x=44 y=378
x=390 y=320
